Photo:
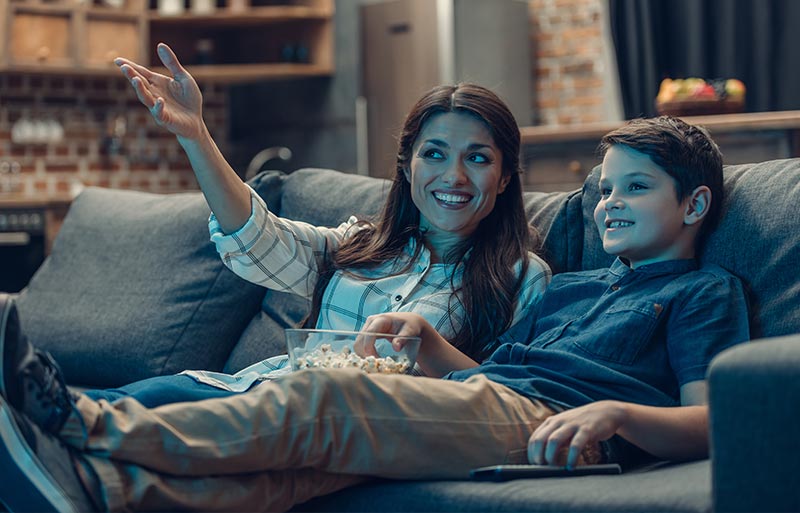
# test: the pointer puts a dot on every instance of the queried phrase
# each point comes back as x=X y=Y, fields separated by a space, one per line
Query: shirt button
x=615 y=287
x=398 y=298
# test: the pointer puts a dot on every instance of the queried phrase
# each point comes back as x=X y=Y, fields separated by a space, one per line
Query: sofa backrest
x=133 y=287
x=757 y=238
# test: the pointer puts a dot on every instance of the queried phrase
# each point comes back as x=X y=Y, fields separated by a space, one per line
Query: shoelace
x=51 y=392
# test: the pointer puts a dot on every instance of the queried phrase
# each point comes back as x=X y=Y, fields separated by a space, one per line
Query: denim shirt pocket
x=626 y=328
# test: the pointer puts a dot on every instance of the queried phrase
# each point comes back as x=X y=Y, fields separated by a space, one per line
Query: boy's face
x=639 y=216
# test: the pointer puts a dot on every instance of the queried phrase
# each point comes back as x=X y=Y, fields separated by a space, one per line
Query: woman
x=451 y=244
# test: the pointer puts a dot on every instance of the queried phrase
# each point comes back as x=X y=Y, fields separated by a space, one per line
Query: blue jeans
x=160 y=390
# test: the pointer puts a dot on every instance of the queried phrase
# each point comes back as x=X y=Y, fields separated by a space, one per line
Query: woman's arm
x=670 y=433
x=436 y=355
x=177 y=104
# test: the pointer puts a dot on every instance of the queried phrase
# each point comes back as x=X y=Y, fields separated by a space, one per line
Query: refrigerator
x=409 y=46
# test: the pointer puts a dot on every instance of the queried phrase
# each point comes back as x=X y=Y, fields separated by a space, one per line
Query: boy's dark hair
x=686 y=152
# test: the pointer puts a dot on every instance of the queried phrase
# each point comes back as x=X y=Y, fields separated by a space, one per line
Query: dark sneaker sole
x=5 y=311
x=26 y=485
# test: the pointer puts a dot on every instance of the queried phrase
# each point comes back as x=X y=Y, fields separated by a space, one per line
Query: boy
x=607 y=358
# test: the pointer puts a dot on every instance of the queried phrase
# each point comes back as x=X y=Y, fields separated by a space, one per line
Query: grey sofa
x=133 y=288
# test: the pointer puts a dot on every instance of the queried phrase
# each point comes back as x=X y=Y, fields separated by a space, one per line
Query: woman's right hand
x=403 y=324
x=174 y=102
x=436 y=355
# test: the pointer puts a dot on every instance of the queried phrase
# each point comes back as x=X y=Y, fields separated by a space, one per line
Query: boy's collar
x=620 y=268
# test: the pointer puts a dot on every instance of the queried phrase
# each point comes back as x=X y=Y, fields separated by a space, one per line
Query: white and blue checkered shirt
x=284 y=255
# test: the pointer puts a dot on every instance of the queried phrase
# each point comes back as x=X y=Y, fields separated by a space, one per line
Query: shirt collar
x=620 y=268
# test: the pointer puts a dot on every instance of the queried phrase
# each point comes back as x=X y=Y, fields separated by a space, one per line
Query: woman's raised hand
x=174 y=102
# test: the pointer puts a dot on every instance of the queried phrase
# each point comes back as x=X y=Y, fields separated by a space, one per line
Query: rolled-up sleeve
x=533 y=286
x=274 y=252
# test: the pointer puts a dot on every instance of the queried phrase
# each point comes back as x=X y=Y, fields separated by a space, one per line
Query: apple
x=735 y=88
x=667 y=90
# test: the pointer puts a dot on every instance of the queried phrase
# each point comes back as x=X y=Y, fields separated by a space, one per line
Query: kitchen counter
x=36 y=214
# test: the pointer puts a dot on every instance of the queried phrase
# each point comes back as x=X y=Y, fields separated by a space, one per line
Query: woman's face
x=456 y=173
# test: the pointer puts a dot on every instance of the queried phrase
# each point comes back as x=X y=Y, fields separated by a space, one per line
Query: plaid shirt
x=284 y=255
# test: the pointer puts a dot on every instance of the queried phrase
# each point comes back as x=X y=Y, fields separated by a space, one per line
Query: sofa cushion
x=134 y=288
x=682 y=487
x=757 y=239
x=264 y=335
x=558 y=218
x=325 y=197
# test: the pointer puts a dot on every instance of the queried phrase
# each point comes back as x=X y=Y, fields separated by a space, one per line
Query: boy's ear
x=698 y=205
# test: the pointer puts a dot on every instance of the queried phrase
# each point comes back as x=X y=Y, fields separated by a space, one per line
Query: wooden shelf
x=265 y=15
x=558 y=158
x=254 y=42
x=240 y=73
x=719 y=123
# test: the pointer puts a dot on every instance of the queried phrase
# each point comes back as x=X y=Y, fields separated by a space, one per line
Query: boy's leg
x=262 y=491
x=337 y=421
x=40 y=474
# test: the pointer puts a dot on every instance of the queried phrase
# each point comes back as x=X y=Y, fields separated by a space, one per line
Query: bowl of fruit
x=699 y=97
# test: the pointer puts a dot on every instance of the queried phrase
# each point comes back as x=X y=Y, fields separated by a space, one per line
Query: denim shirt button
x=615 y=288
x=398 y=297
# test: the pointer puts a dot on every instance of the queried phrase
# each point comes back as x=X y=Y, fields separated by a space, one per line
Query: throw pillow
x=133 y=288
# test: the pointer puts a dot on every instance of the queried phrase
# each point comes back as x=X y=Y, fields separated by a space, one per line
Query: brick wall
x=569 y=80
x=569 y=61
x=141 y=156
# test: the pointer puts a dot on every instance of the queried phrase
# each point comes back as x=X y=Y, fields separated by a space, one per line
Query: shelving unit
x=239 y=41
x=68 y=36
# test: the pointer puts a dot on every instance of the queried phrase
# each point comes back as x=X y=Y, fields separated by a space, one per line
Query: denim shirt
x=618 y=333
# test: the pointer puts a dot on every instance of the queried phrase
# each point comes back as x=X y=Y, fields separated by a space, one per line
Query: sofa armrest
x=754 y=397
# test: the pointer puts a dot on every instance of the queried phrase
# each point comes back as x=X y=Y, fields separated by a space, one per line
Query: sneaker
x=9 y=333
x=30 y=380
x=39 y=472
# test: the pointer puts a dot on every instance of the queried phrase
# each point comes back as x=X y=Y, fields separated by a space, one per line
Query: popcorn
x=325 y=357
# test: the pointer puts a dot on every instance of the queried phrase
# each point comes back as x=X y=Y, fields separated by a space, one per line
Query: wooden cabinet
x=69 y=36
x=108 y=34
x=244 y=40
x=227 y=41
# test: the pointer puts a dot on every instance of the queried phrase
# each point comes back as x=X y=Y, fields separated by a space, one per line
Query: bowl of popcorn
x=329 y=349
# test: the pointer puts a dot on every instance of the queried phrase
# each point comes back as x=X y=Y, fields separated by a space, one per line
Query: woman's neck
x=441 y=246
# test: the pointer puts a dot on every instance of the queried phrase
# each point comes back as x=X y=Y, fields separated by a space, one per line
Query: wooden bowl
x=702 y=107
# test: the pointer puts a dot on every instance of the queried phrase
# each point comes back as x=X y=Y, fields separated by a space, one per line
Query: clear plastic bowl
x=325 y=349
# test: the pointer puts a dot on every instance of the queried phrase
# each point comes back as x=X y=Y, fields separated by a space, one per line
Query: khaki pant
x=304 y=435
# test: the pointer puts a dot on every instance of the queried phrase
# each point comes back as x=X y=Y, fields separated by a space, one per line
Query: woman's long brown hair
x=490 y=284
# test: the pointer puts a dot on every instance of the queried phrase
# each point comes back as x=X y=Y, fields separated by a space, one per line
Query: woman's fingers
x=142 y=86
x=143 y=93
x=142 y=71
x=171 y=61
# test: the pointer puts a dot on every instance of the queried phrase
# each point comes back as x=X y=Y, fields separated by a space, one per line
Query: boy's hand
x=174 y=102
x=573 y=430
